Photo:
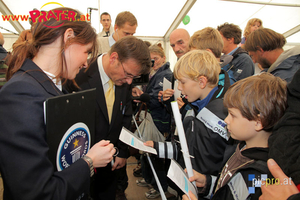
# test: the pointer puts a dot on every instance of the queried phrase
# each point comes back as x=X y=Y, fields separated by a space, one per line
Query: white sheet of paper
x=182 y=139
x=128 y=138
x=166 y=84
x=179 y=177
x=177 y=93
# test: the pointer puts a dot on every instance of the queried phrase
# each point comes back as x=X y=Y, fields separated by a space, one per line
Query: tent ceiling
x=158 y=18
x=6 y=11
x=214 y=13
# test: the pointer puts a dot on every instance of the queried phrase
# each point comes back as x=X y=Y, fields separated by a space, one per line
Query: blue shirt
x=202 y=103
x=232 y=52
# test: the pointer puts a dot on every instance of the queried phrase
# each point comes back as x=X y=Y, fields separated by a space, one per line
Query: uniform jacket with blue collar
x=25 y=166
x=206 y=134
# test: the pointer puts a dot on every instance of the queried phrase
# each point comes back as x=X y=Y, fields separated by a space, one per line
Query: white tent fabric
x=157 y=18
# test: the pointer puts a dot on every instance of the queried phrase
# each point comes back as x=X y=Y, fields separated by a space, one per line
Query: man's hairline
x=107 y=15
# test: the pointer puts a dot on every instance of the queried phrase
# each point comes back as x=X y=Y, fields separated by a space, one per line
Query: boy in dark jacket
x=255 y=104
x=198 y=74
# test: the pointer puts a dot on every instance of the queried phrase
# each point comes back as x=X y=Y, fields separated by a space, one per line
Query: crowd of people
x=237 y=123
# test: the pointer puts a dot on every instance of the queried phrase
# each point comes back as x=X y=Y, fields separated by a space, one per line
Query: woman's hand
x=101 y=153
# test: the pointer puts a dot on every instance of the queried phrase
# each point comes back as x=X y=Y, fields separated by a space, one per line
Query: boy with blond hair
x=207 y=39
x=198 y=78
x=255 y=104
x=210 y=39
x=198 y=74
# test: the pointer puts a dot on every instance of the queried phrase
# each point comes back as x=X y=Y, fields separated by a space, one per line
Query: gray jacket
x=286 y=64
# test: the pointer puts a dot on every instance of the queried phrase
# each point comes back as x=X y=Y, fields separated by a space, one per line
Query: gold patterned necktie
x=110 y=99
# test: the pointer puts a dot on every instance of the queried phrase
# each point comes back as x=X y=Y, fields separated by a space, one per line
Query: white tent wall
x=158 y=18
x=9 y=39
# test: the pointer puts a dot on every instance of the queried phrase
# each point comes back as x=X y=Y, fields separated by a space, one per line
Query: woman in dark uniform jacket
x=59 y=48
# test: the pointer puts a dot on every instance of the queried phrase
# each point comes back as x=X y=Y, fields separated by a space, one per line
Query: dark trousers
x=159 y=166
x=106 y=182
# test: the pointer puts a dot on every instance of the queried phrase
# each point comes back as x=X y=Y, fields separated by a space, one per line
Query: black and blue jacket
x=205 y=132
x=161 y=117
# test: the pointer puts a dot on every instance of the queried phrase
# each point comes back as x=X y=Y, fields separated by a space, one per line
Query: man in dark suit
x=129 y=57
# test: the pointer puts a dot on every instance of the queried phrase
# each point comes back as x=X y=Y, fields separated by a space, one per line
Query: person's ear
x=202 y=80
x=258 y=124
x=209 y=50
x=113 y=57
x=231 y=40
x=69 y=33
x=260 y=50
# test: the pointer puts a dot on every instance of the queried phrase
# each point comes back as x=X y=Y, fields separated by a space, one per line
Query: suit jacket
x=122 y=109
x=103 y=33
x=103 y=43
x=24 y=164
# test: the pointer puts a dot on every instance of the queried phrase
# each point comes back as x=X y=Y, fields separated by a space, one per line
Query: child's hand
x=167 y=94
x=185 y=197
x=180 y=102
x=200 y=179
x=149 y=144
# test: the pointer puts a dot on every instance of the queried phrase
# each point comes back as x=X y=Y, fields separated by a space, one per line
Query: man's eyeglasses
x=128 y=75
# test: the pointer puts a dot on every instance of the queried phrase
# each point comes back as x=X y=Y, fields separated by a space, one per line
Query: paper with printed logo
x=179 y=177
x=166 y=84
x=213 y=122
x=127 y=137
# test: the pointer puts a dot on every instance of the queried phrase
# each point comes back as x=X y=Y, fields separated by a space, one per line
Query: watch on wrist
x=90 y=163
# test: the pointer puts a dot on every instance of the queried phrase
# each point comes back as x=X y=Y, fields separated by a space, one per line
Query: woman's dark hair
x=46 y=32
